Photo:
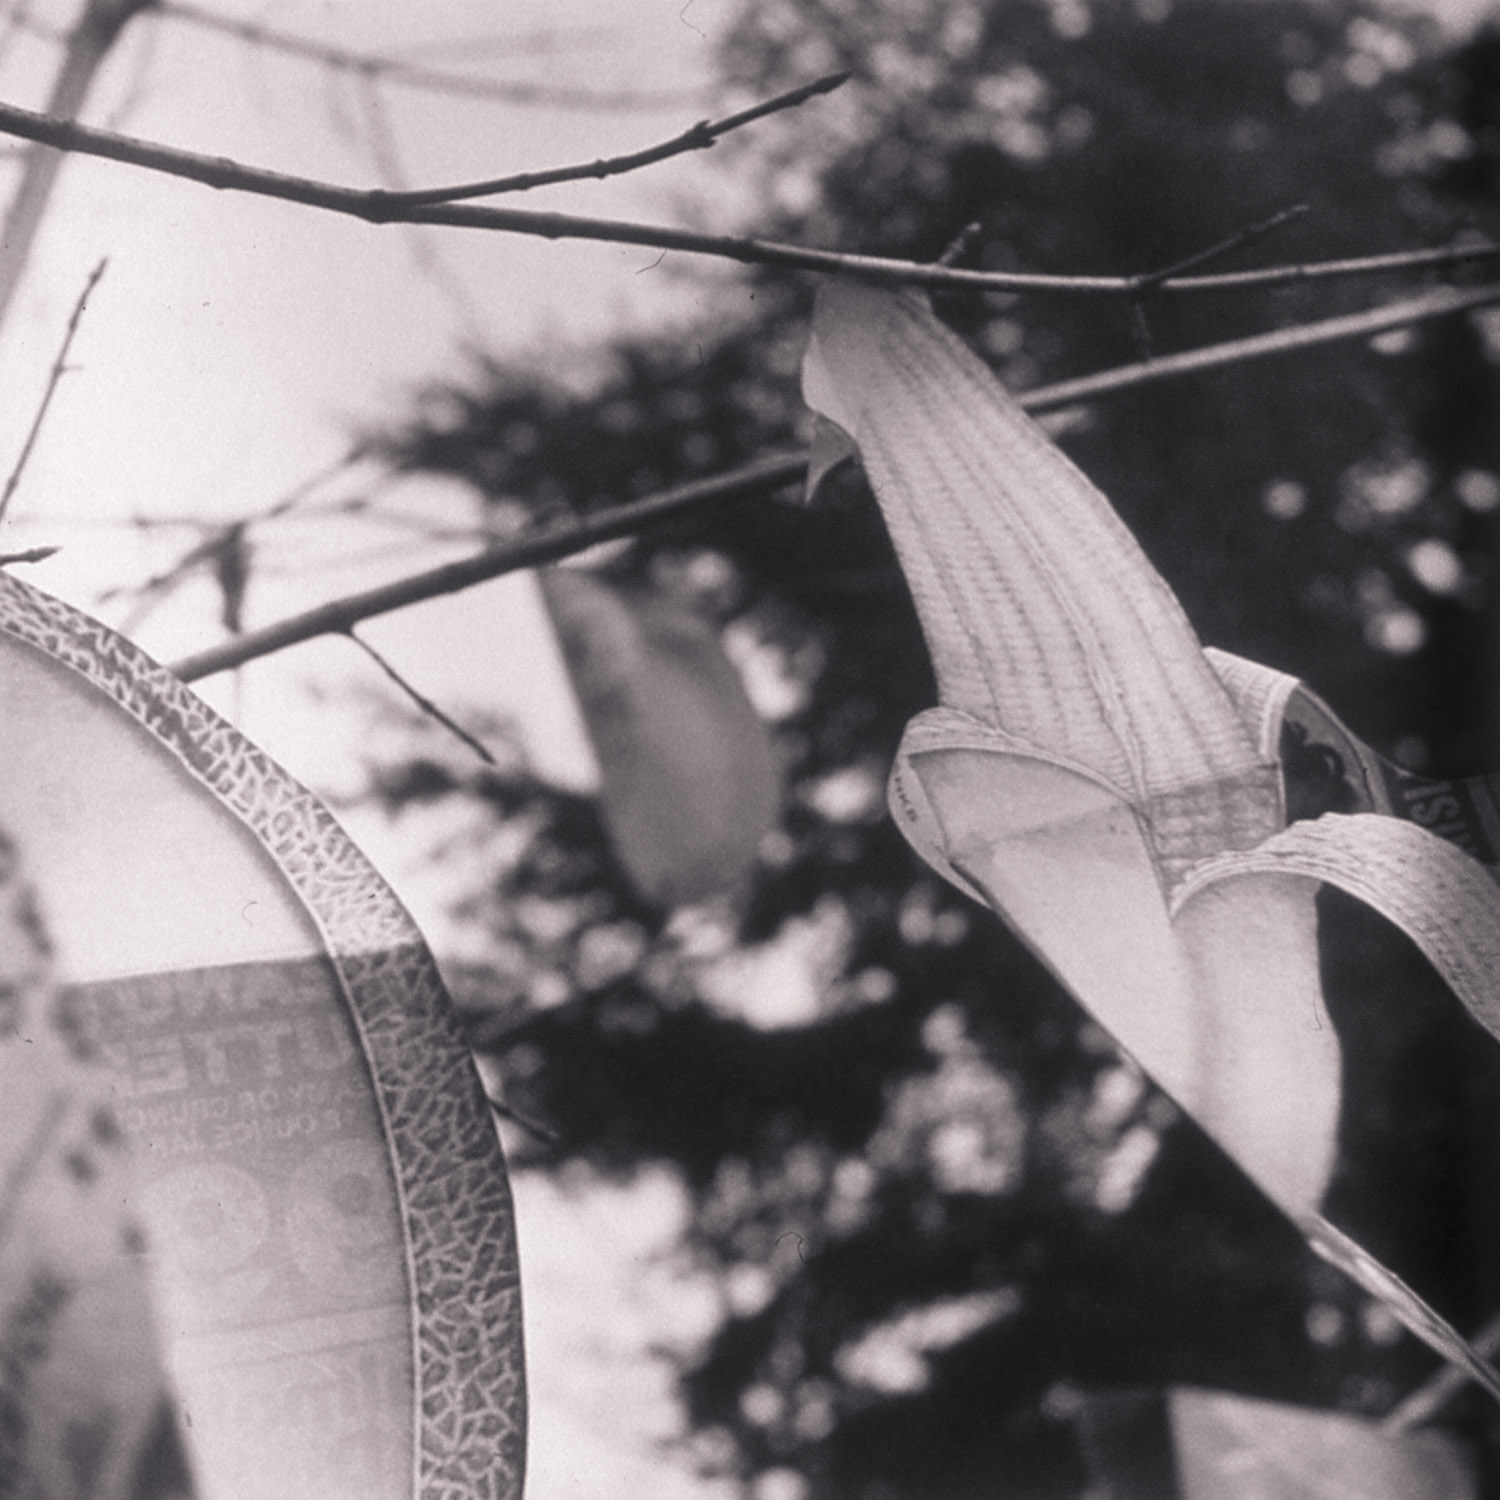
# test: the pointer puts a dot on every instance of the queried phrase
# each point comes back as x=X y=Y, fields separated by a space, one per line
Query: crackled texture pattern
x=459 y=1220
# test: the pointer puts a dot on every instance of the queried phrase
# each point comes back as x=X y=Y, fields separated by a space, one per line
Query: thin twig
x=1436 y=258
x=212 y=545
x=1237 y=241
x=697 y=137
x=1441 y=302
x=1149 y=280
x=548 y=544
x=552 y=543
x=422 y=701
x=59 y=369
x=414 y=75
x=28 y=555
x=377 y=206
x=1442 y=1386
x=961 y=244
x=543 y=1133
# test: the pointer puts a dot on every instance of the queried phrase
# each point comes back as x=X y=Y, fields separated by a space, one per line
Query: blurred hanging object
x=689 y=784
x=1114 y=791
x=330 y=1238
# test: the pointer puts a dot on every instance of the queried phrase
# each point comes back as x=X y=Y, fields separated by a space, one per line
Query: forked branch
x=550 y=544
x=379 y=206
x=696 y=138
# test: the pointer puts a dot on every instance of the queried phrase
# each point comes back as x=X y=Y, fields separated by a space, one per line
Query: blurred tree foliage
x=939 y=1203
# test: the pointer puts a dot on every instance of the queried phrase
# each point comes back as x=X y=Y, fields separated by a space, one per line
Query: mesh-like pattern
x=458 y=1215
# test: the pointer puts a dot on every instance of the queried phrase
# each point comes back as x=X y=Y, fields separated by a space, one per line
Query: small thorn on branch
x=379 y=206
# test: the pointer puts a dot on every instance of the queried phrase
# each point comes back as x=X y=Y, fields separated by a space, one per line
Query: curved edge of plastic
x=469 y=1428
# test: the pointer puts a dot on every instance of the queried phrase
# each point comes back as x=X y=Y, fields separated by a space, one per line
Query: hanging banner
x=1116 y=793
x=330 y=1237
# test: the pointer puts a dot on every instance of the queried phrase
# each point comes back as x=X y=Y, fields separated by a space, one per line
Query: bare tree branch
x=55 y=375
x=414 y=75
x=542 y=546
x=696 y=138
x=552 y=543
x=1150 y=280
x=378 y=206
x=1436 y=258
x=1246 y=236
x=1440 y=302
